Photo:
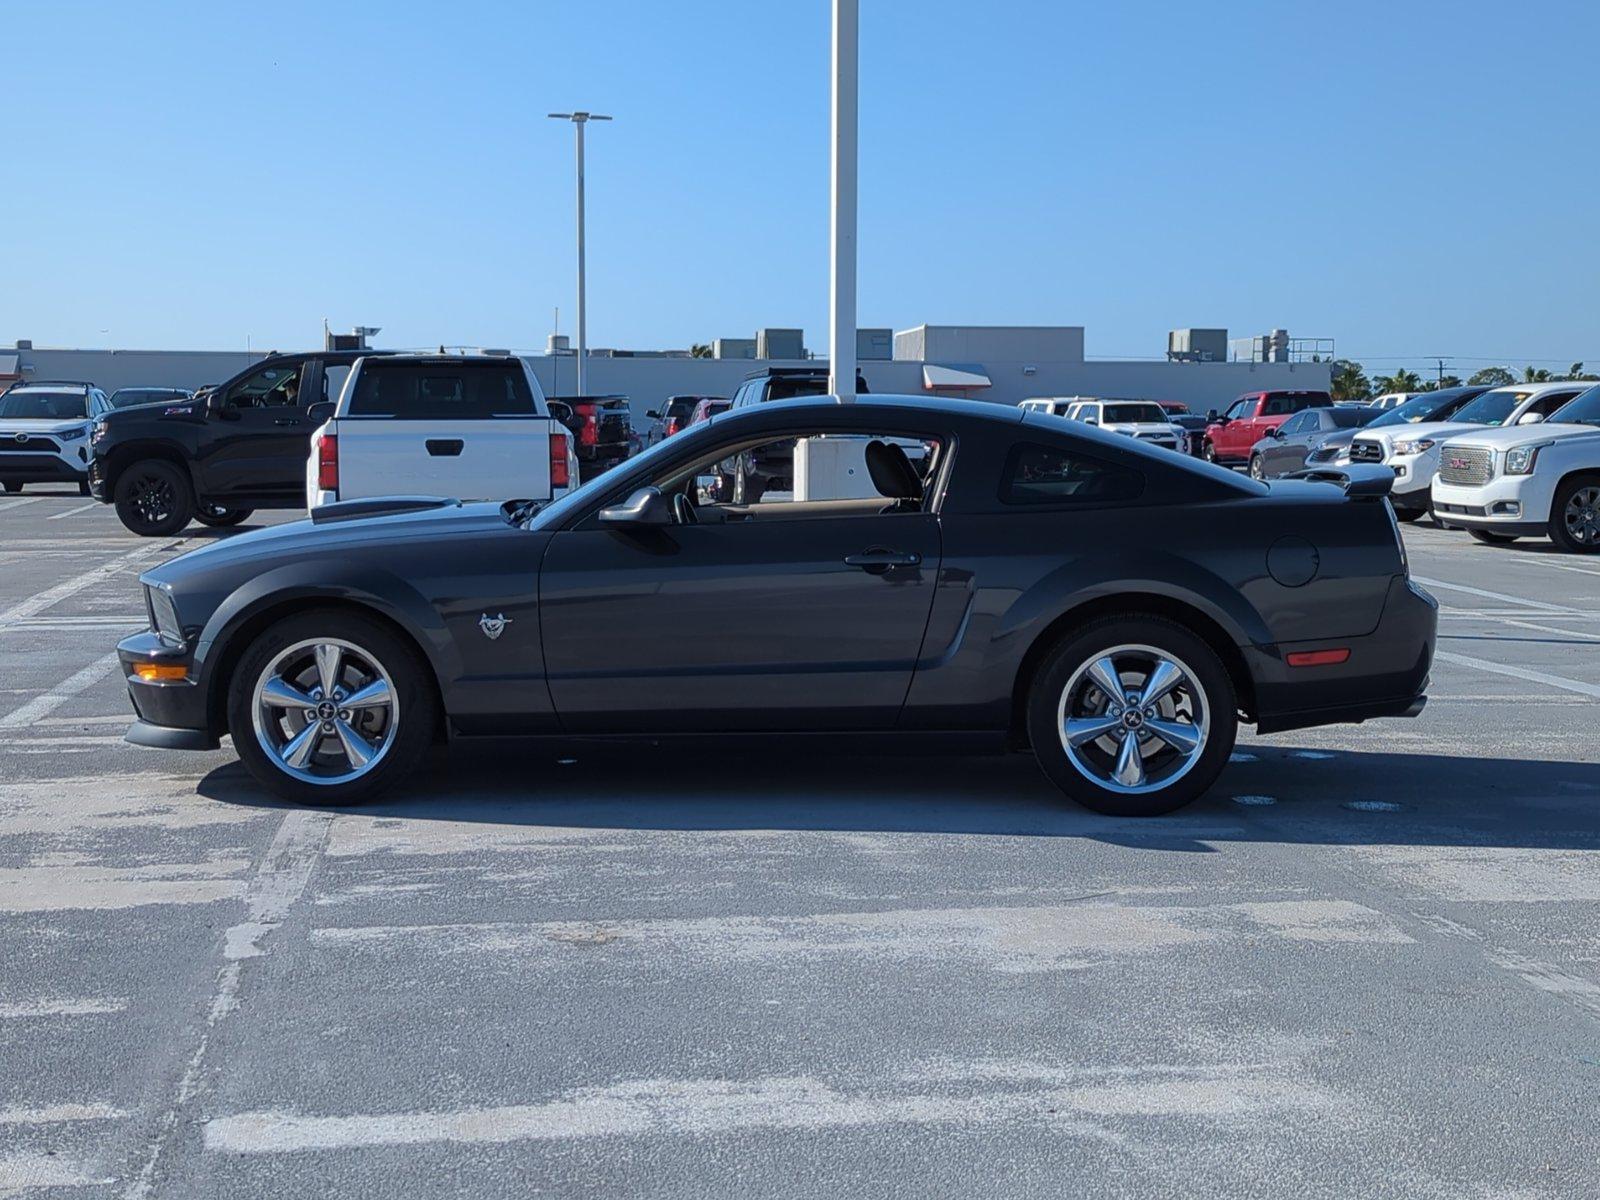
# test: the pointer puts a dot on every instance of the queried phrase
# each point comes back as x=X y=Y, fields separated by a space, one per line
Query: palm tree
x=1401 y=381
x=1492 y=377
x=699 y=350
x=1349 y=381
x=1578 y=373
x=1444 y=381
x=1535 y=375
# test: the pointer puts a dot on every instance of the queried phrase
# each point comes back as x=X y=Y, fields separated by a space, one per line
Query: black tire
x=1580 y=536
x=1073 y=655
x=1258 y=469
x=83 y=487
x=1490 y=538
x=1408 y=515
x=1208 y=451
x=223 y=518
x=402 y=749
x=153 y=498
x=13 y=485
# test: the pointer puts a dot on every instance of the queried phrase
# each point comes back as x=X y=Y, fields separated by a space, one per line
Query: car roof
x=51 y=385
x=1539 y=389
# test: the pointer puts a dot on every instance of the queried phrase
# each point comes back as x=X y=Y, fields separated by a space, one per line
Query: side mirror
x=216 y=407
x=1532 y=418
x=653 y=414
x=1276 y=431
x=321 y=411
x=647 y=506
x=1213 y=416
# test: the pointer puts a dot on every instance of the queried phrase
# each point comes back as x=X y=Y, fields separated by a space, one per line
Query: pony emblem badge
x=494 y=626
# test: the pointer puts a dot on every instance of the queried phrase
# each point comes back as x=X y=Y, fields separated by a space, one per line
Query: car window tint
x=1242 y=408
x=275 y=386
x=1296 y=424
x=442 y=391
x=1036 y=474
x=1545 y=405
x=333 y=377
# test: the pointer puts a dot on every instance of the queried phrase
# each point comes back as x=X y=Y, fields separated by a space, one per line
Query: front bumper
x=1413 y=474
x=41 y=468
x=1511 y=504
x=172 y=715
x=1386 y=674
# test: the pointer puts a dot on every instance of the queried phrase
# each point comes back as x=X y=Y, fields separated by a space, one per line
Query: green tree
x=1577 y=372
x=1349 y=381
x=1444 y=381
x=699 y=350
x=1401 y=381
x=1492 y=377
x=1535 y=375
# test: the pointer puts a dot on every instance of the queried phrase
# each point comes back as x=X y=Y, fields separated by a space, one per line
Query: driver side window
x=275 y=386
x=1241 y=408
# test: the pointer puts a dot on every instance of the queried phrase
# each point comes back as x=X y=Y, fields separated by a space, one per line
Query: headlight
x=99 y=432
x=1520 y=459
x=163 y=615
x=1420 y=446
x=73 y=434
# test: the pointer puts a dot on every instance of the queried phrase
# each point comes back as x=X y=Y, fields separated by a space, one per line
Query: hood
x=262 y=548
x=1161 y=427
x=176 y=410
x=1504 y=438
x=40 y=424
x=1437 y=430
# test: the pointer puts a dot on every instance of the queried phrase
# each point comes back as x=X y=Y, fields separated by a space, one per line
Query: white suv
x=1413 y=450
x=1502 y=484
x=44 y=433
x=1142 y=419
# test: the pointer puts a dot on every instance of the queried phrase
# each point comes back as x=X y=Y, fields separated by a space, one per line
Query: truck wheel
x=1575 y=516
x=1208 y=451
x=1258 y=470
x=330 y=707
x=1489 y=538
x=83 y=487
x=13 y=485
x=218 y=517
x=1132 y=716
x=153 y=498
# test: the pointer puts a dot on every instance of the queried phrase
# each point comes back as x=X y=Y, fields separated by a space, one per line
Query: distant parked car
x=672 y=417
x=708 y=407
x=1302 y=440
x=1390 y=400
x=132 y=397
x=1142 y=419
x=748 y=476
x=603 y=426
x=1229 y=437
x=44 y=433
x=468 y=426
x=1193 y=424
x=1412 y=451
x=1516 y=481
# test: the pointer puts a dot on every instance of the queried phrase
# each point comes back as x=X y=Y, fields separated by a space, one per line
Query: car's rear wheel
x=153 y=498
x=83 y=487
x=1489 y=538
x=1408 y=515
x=1208 y=451
x=1575 y=515
x=330 y=708
x=219 y=517
x=1258 y=469
x=1132 y=716
x=13 y=485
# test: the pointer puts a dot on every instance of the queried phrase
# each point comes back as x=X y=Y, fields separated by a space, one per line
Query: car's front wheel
x=153 y=498
x=13 y=485
x=218 y=517
x=330 y=707
x=1132 y=717
x=1489 y=538
x=1408 y=515
x=1208 y=451
x=1258 y=469
x=1575 y=516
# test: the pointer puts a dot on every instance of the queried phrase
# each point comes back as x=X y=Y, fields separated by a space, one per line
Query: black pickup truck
x=232 y=449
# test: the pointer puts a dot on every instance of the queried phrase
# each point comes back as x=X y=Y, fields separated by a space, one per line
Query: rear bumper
x=41 y=468
x=172 y=716
x=1386 y=674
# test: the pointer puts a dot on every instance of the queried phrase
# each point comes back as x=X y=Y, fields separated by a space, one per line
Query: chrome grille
x=1366 y=452
x=1469 y=465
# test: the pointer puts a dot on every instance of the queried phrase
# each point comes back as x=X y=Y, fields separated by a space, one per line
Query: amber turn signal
x=161 y=672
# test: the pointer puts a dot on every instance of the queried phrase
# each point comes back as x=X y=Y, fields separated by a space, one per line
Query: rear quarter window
x=1039 y=474
x=442 y=392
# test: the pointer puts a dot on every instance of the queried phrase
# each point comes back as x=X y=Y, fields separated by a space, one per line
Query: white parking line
x=5 y=504
x=1487 y=595
x=71 y=511
x=1494 y=668
x=69 y=687
x=71 y=587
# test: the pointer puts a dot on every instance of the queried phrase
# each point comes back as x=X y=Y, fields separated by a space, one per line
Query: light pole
x=579 y=120
x=842 y=223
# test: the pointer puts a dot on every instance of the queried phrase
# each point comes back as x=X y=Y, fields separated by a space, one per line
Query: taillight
x=589 y=431
x=558 y=461
x=328 y=462
x=671 y=427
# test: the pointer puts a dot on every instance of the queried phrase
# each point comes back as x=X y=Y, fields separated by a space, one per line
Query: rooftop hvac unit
x=1197 y=345
x=780 y=343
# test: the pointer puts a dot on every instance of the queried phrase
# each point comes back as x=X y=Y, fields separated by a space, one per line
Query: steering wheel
x=683 y=510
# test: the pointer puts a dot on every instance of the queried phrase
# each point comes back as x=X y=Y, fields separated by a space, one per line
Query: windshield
x=128 y=397
x=558 y=510
x=1123 y=414
x=1408 y=413
x=1582 y=409
x=1491 y=408
x=1353 y=418
x=44 y=406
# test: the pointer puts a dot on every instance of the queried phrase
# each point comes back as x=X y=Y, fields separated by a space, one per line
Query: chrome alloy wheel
x=1582 y=516
x=1133 y=719
x=325 y=711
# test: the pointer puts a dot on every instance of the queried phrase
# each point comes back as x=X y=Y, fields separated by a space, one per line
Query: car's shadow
x=1277 y=794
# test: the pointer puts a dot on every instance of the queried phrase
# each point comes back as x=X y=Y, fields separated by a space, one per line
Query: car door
x=1235 y=438
x=259 y=434
x=778 y=616
x=1287 y=451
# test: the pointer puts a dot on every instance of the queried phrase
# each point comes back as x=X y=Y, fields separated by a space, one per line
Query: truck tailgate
x=499 y=459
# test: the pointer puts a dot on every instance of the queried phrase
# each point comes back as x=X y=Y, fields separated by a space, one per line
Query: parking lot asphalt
x=1368 y=964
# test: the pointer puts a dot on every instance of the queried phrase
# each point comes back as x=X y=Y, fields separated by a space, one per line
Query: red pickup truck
x=1228 y=437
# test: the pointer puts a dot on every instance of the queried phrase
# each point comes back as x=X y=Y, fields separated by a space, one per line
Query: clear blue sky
x=1408 y=177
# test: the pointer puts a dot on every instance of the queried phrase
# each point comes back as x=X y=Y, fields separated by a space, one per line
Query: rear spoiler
x=1360 y=481
x=377 y=506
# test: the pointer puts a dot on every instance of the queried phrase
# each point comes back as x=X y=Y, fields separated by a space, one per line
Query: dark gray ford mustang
x=940 y=568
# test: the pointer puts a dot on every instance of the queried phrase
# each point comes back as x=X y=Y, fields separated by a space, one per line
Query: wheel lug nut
x=344 y=714
x=327 y=727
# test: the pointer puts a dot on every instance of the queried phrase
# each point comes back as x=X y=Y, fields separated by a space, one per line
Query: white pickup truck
x=472 y=427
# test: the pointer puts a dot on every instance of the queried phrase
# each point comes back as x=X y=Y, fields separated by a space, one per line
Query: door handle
x=877 y=560
x=287 y=421
x=445 y=447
